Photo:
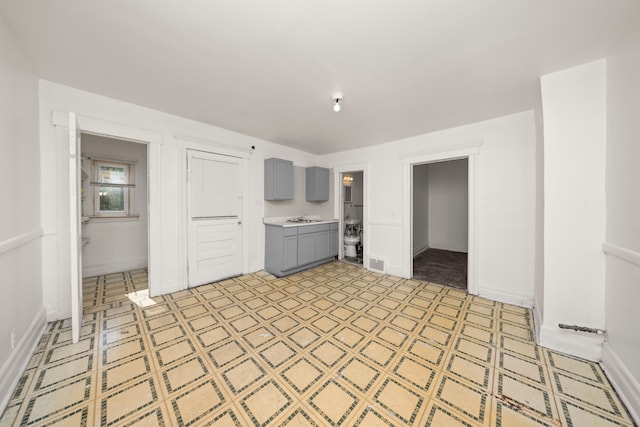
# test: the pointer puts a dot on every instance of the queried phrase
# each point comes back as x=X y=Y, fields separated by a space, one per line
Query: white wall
x=420 y=208
x=115 y=244
x=622 y=349
x=172 y=250
x=21 y=308
x=506 y=194
x=449 y=205
x=574 y=108
x=299 y=205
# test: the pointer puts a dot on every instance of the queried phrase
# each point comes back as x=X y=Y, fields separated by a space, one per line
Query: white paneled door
x=215 y=217
x=75 y=237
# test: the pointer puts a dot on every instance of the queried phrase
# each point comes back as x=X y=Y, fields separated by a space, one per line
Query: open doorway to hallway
x=440 y=222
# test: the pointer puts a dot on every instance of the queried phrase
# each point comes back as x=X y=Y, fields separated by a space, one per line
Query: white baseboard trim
x=12 y=369
x=445 y=247
x=503 y=296
x=419 y=249
x=623 y=381
x=393 y=270
x=52 y=314
x=113 y=267
x=537 y=322
x=580 y=344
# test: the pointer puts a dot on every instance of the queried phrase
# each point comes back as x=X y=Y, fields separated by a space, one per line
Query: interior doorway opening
x=114 y=205
x=440 y=222
x=352 y=216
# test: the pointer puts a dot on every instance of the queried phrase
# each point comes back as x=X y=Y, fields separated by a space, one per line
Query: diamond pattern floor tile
x=334 y=345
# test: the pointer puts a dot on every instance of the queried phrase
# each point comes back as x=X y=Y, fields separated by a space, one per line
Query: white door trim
x=187 y=143
x=154 y=141
x=471 y=152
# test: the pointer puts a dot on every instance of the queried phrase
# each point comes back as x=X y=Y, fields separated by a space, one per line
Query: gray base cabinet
x=289 y=250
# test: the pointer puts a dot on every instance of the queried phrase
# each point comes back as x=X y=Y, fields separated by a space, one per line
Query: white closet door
x=75 y=236
x=215 y=217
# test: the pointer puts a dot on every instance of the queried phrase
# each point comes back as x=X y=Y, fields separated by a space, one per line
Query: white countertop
x=284 y=221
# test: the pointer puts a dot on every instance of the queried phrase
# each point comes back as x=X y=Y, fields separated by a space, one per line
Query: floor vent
x=376 y=264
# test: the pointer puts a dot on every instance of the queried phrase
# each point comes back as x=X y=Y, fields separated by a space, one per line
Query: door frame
x=154 y=141
x=471 y=152
x=338 y=206
x=185 y=143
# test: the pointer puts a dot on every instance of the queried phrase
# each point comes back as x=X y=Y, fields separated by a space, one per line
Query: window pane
x=113 y=175
x=111 y=199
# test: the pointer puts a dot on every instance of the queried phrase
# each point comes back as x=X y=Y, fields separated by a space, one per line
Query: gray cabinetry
x=292 y=249
x=333 y=240
x=278 y=179
x=290 y=252
x=306 y=248
x=317 y=184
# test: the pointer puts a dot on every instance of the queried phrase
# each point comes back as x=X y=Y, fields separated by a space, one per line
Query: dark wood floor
x=442 y=267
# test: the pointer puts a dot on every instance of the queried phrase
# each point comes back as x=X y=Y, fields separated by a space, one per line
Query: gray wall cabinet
x=289 y=250
x=317 y=184
x=278 y=179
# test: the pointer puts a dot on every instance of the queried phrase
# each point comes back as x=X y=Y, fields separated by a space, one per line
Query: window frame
x=127 y=188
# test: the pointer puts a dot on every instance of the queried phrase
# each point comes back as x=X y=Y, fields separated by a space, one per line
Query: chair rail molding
x=19 y=240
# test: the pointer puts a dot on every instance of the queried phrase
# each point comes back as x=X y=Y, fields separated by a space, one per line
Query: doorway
x=114 y=205
x=440 y=222
x=352 y=218
x=69 y=127
x=469 y=151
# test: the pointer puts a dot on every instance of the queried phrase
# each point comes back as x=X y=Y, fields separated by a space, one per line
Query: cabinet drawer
x=290 y=231
x=306 y=229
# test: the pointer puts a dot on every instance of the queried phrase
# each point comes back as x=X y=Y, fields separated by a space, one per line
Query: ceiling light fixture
x=337 y=101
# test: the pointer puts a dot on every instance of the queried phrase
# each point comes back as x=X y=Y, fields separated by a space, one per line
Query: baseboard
x=394 y=270
x=626 y=385
x=113 y=267
x=507 y=297
x=12 y=369
x=419 y=249
x=445 y=247
x=537 y=322
x=52 y=314
x=580 y=344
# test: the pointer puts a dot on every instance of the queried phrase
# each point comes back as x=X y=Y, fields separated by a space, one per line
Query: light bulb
x=337 y=101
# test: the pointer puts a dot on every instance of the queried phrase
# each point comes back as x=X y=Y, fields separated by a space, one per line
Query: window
x=113 y=188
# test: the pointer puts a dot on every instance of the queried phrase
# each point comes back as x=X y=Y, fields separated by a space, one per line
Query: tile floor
x=335 y=345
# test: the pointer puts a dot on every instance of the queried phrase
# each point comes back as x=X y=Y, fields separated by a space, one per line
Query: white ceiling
x=269 y=68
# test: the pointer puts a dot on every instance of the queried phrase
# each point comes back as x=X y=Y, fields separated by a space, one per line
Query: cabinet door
x=278 y=179
x=317 y=185
x=333 y=243
x=290 y=252
x=306 y=248
x=322 y=245
x=283 y=181
x=322 y=184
